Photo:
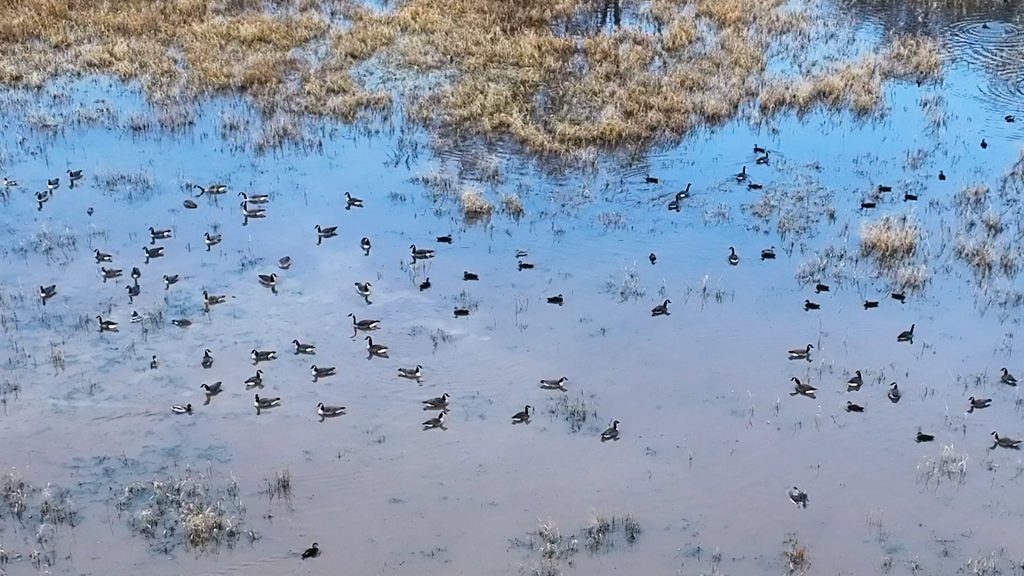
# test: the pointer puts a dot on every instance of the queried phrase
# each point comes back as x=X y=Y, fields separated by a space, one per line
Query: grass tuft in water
x=475 y=206
x=279 y=485
x=949 y=465
x=577 y=411
x=890 y=241
x=796 y=558
x=604 y=531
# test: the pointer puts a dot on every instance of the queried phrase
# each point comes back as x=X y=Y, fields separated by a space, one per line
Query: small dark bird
x=525 y=266
x=755 y=186
x=908 y=197
x=653 y=258
x=768 y=253
x=759 y=150
x=942 y=175
x=190 y=204
x=102 y=256
x=207 y=361
x=181 y=322
x=922 y=437
x=1009 y=119
x=808 y=305
x=851 y=407
x=311 y=552
x=661 y=309
x=984 y=144
x=446 y=239
x=819 y=288
x=867 y=205
x=469 y=276
x=900 y=297
x=884 y=188
x=136 y=274
x=906 y=335
x=153 y=364
x=870 y=304
x=762 y=160
x=557 y=299
x=651 y=180
x=460 y=312
x=425 y=284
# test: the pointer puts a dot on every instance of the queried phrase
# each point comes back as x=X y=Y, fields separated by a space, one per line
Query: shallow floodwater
x=711 y=440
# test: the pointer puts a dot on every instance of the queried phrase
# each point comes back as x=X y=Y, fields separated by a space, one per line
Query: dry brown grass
x=890 y=241
x=475 y=205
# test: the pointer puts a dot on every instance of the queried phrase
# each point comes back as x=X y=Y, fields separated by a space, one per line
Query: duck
x=322 y=371
x=800 y=353
x=154 y=252
x=650 y=180
x=263 y=403
x=446 y=239
x=868 y=304
x=352 y=202
x=268 y=280
x=52 y=183
x=420 y=253
x=301 y=348
x=851 y=407
x=733 y=258
x=819 y=288
x=661 y=309
x=1004 y=442
x=376 y=349
x=798 y=497
x=285 y=262
x=411 y=373
x=325 y=232
x=742 y=175
x=254 y=381
x=364 y=289
x=133 y=291
x=170 y=279
x=768 y=253
x=106 y=325
x=47 y=292
x=868 y=204
x=153 y=364
x=978 y=403
x=759 y=149
x=1009 y=119
x=1007 y=378
x=161 y=234
x=181 y=322
x=799 y=388
x=808 y=305
x=262 y=355
x=425 y=285
x=364 y=324
x=190 y=204
x=524 y=266
x=212 y=240
x=611 y=433
x=556 y=299
x=365 y=245
x=136 y=317
x=653 y=258
x=74 y=176
x=213 y=299
x=762 y=160
x=558 y=384
x=255 y=198
x=884 y=188
x=435 y=422
x=89 y=211
x=854 y=383
x=207 y=361
x=922 y=437
x=8 y=183
x=43 y=197
x=754 y=186
x=461 y=312
x=252 y=212
x=136 y=274
x=984 y=144
x=942 y=175
x=521 y=253
x=674 y=205
x=324 y=411
x=212 y=389
x=438 y=403
x=523 y=416
x=900 y=297
x=212 y=189
x=102 y=256
x=908 y=197
x=470 y=276
x=906 y=335
x=894 y=393
x=179 y=409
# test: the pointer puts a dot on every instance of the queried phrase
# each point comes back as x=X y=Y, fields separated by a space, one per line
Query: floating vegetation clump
x=604 y=531
x=475 y=206
x=576 y=412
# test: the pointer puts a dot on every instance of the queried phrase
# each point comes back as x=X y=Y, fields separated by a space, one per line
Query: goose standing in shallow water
x=854 y=384
x=611 y=433
x=376 y=349
x=742 y=176
x=799 y=388
x=439 y=403
x=798 y=497
x=301 y=348
x=554 y=384
x=153 y=364
x=435 y=422
x=906 y=335
x=978 y=403
x=894 y=394
x=324 y=411
x=661 y=309
x=1004 y=442
x=523 y=416
x=1008 y=378
x=411 y=373
x=133 y=291
x=106 y=325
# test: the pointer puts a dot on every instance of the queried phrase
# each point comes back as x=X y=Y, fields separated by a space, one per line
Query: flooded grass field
x=859 y=216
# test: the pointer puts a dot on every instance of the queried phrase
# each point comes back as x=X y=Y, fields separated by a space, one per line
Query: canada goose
x=653 y=258
x=978 y=403
x=42 y=197
x=906 y=335
x=252 y=212
x=364 y=289
x=420 y=253
x=1004 y=442
x=554 y=384
x=868 y=304
x=742 y=176
x=254 y=381
x=1009 y=118
x=74 y=176
x=102 y=256
x=211 y=240
x=352 y=202
x=255 y=198
x=1008 y=378
x=170 y=279
x=900 y=297
x=556 y=299
x=808 y=305
x=650 y=180
x=800 y=353
x=324 y=411
x=10 y=183
x=52 y=183
x=684 y=193
x=819 y=288
x=908 y=197
x=322 y=371
x=89 y=211
x=301 y=348
x=798 y=497
x=661 y=309
x=207 y=361
x=884 y=188
x=162 y=234
x=376 y=349
x=439 y=403
x=268 y=280
x=136 y=317
x=133 y=291
x=153 y=364
x=673 y=205
x=470 y=276
x=461 y=312
x=136 y=274
x=47 y=292
x=851 y=407
x=364 y=324
x=922 y=437
x=213 y=299
x=762 y=160
x=768 y=253
x=446 y=239
x=328 y=232
x=212 y=389
x=867 y=204
x=754 y=186
x=524 y=266
x=106 y=325
x=179 y=409
x=611 y=433
x=523 y=416
x=522 y=253
x=435 y=422
x=263 y=403
x=984 y=144
x=854 y=384
x=425 y=284
x=365 y=245
x=285 y=262
x=154 y=252
x=189 y=204
x=212 y=189
x=942 y=175
x=799 y=388
x=733 y=258
x=258 y=356
x=181 y=322
x=759 y=149
x=894 y=393
x=411 y=373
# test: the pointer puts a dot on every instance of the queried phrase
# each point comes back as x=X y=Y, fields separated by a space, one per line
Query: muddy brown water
x=711 y=439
